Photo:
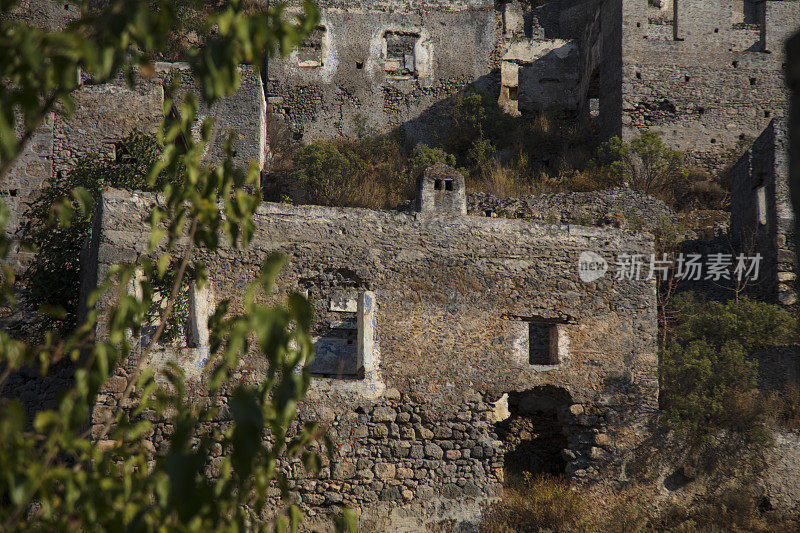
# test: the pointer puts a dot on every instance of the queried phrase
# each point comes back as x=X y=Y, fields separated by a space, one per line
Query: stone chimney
x=441 y=190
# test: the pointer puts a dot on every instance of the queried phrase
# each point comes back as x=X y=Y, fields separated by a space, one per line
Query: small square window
x=448 y=185
x=437 y=184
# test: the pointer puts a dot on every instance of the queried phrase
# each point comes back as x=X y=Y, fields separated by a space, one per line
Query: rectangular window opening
x=761 y=205
x=311 y=52
x=344 y=344
x=437 y=185
x=542 y=344
x=448 y=185
x=399 y=55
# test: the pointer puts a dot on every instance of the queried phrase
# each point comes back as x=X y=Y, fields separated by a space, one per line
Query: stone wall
x=762 y=218
x=449 y=304
x=702 y=81
x=793 y=81
x=106 y=113
x=596 y=208
x=380 y=66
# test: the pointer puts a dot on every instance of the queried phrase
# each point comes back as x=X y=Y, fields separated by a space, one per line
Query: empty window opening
x=399 y=58
x=533 y=435
x=344 y=342
x=542 y=344
x=713 y=141
x=594 y=107
x=716 y=30
x=638 y=75
x=761 y=205
x=513 y=93
x=448 y=185
x=359 y=65
x=336 y=351
x=686 y=78
x=11 y=192
x=752 y=81
x=437 y=185
x=183 y=325
x=701 y=110
x=767 y=114
x=311 y=52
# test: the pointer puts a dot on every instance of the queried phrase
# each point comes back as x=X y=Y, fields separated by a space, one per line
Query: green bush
x=708 y=381
x=424 y=156
x=645 y=164
x=368 y=172
x=480 y=127
x=52 y=281
x=327 y=170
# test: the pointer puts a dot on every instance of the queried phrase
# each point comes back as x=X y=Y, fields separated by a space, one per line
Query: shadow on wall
x=434 y=123
x=533 y=435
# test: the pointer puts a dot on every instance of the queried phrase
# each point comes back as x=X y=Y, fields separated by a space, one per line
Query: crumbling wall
x=106 y=113
x=703 y=82
x=381 y=66
x=607 y=207
x=453 y=301
x=762 y=218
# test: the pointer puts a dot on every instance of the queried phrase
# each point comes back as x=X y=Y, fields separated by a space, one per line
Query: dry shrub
x=783 y=407
x=534 y=503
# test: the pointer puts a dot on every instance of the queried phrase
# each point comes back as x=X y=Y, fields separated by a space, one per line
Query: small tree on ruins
x=645 y=164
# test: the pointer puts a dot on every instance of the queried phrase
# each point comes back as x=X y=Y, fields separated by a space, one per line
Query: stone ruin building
x=706 y=75
x=762 y=216
x=437 y=334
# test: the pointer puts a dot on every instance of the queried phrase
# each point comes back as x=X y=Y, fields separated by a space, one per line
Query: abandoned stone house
x=435 y=333
x=706 y=75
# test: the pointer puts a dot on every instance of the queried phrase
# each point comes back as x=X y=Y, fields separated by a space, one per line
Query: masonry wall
x=702 y=81
x=415 y=437
x=762 y=218
x=345 y=88
x=793 y=81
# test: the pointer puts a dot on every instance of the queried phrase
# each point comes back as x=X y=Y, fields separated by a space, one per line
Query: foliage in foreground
x=53 y=277
x=55 y=474
x=708 y=379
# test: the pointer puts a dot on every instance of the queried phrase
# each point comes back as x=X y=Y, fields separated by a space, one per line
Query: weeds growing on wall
x=52 y=280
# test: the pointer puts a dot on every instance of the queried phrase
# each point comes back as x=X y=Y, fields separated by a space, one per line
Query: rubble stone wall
x=703 y=82
x=762 y=218
x=347 y=84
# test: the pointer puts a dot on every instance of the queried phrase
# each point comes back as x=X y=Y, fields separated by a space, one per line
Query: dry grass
x=545 y=503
